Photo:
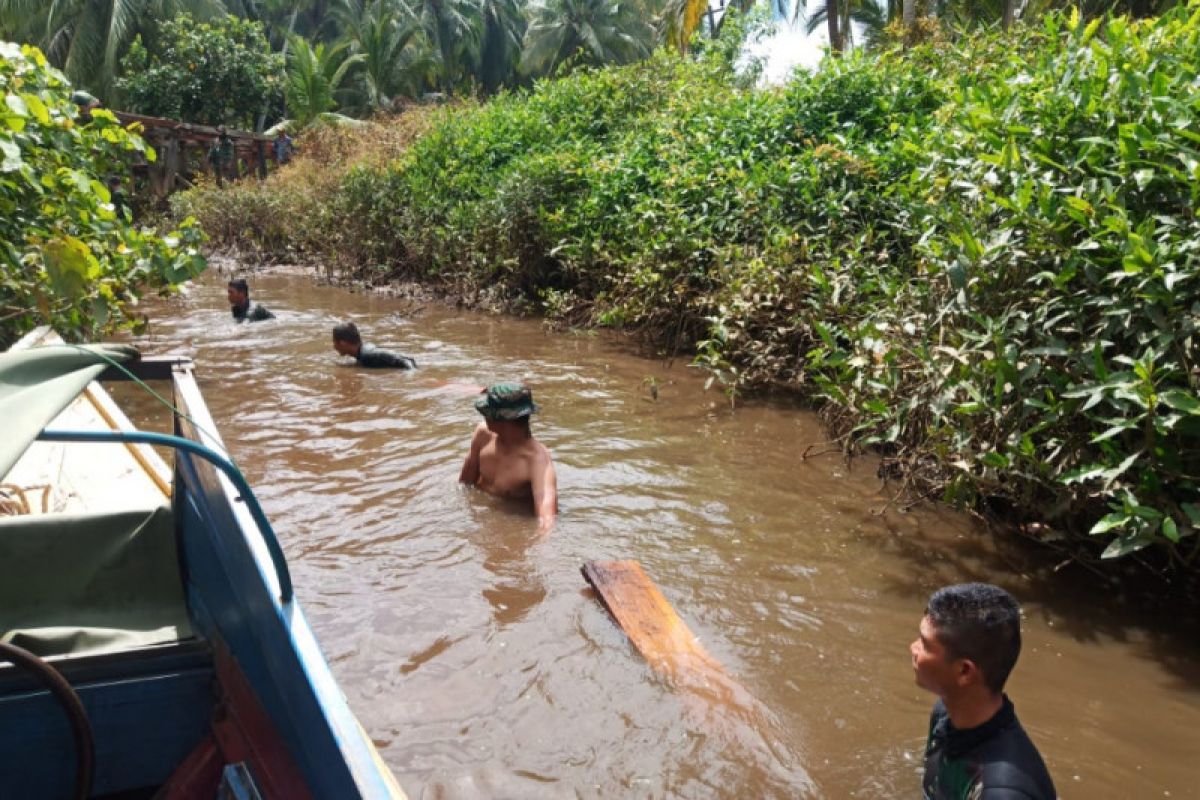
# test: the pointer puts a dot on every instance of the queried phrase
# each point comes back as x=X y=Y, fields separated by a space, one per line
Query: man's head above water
x=506 y=405
x=347 y=341
x=239 y=293
x=970 y=638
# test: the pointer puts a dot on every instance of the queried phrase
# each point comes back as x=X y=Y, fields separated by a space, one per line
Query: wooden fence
x=176 y=143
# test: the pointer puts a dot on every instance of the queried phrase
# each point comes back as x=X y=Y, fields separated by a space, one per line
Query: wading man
x=348 y=342
x=239 y=303
x=505 y=460
x=969 y=640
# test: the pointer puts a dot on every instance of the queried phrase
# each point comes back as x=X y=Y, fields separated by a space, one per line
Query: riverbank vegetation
x=978 y=256
x=364 y=57
x=70 y=256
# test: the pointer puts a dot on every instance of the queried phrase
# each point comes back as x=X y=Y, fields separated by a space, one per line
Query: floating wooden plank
x=652 y=625
x=712 y=700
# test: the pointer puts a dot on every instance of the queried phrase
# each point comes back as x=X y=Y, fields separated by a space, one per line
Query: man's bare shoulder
x=540 y=453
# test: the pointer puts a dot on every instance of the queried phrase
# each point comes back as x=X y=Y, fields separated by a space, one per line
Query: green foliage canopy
x=69 y=259
x=221 y=72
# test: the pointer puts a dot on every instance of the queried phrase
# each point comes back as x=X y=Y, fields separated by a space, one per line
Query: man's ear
x=967 y=672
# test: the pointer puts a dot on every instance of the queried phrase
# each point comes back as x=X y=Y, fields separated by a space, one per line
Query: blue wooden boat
x=151 y=644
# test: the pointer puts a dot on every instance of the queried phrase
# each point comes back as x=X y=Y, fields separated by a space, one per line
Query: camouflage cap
x=506 y=401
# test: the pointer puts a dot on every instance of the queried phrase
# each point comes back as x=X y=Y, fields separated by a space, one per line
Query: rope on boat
x=20 y=503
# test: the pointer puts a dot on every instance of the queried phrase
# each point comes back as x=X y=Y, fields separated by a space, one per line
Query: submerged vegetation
x=980 y=257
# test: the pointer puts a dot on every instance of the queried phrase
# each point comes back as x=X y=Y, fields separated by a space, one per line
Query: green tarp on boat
x=79 y=583
x=37 y=384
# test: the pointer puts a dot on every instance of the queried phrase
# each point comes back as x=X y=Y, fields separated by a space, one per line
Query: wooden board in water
x=658 y=633
x=712 y=700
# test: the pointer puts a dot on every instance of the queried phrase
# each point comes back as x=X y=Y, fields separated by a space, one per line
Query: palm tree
x=282 y=18
x=681 y=18
x=395 y=58
x=584 y=32
x=453 y=33
x=87 y=38
x=847 y=13
x=313 y=76
x=502 y=27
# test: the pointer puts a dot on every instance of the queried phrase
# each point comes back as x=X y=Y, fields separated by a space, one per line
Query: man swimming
x=505 y=460
x=240 y=305
x=348 y=342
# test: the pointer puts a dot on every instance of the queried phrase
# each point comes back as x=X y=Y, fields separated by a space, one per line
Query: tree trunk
x=832 y=12
x=1010 y=14
x=908 y=16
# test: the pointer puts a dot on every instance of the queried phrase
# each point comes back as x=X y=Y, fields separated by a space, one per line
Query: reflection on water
x=480 y=664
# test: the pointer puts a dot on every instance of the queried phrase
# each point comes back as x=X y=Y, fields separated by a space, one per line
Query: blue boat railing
x=211 y=456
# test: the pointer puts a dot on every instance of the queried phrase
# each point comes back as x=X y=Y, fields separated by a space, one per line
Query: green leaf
x=16 y=105
x=1181 y=400
x=1091 y=29
x=1079 y=204
x=1124 y=545
x=1109 y=522
x=70 y=265
x=1111 y=475
x=1115 y=430
x=1170 y=530
x=37 y=108
x=994 y=459
x=12 y=155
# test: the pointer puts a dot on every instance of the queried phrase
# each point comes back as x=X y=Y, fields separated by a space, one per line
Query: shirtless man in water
x=505 y=460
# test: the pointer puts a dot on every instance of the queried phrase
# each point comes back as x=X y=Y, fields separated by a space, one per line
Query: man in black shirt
x=969 y=640
x=239 y=303
x=348 y=342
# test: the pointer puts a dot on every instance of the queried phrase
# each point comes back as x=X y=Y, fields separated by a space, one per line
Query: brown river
x=482 y=665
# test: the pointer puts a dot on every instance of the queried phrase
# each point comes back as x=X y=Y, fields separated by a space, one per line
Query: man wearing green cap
x=505 y=460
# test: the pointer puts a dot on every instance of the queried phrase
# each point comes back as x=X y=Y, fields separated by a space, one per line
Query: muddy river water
x=482 y=666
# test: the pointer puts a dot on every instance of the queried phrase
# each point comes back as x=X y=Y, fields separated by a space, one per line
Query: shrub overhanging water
x=979 y=257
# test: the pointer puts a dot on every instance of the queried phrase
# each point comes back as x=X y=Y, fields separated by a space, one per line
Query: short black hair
x=347 y=332
x=241 y=285
x=980 y=622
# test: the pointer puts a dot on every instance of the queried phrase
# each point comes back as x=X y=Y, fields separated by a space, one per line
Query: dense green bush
x=70 y=259
x=979 y=257
x=213 y=73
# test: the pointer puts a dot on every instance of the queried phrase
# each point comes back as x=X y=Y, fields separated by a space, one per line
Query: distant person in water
x=970 y=637
x=348 y=342
x=239 y=303
x=505 y=460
